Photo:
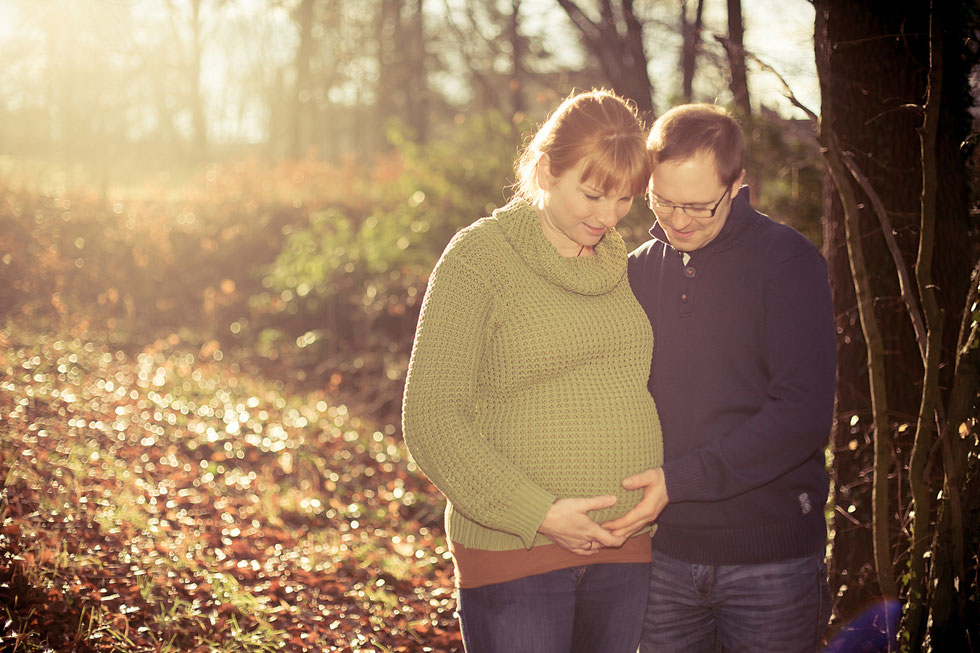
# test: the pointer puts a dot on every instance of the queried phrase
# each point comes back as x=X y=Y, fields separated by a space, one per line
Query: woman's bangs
x=615 y=172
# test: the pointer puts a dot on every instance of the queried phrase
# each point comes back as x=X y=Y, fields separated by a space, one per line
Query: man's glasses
x=664 y=210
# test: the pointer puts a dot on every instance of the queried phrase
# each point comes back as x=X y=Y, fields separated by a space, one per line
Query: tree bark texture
x=952 y=610
x=691 y=29
x=735 y=49
x=874 y=58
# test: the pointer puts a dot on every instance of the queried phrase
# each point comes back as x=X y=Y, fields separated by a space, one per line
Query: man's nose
x=680 y=220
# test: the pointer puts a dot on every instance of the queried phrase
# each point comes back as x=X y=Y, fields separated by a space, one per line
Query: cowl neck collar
x=585 y=275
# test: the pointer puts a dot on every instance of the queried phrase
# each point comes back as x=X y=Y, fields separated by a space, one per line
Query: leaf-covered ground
x=166 y=501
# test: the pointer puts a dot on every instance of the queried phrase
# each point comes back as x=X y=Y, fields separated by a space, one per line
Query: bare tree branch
x=904 y=279
x=925 y=424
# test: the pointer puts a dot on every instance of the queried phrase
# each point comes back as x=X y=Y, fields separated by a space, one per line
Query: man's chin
x=683 y=245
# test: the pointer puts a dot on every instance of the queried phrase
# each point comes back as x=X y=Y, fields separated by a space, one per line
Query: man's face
x=679 y=188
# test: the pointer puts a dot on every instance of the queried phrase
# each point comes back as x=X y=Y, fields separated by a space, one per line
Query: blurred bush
x=314 y=269
x=345 y=290
x=785 y=172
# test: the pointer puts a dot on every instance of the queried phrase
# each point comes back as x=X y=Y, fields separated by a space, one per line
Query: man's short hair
x=692 y=129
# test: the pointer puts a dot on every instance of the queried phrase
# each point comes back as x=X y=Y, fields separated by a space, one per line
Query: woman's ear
x=542 y=172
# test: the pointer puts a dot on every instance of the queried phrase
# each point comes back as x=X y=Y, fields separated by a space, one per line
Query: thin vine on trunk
x=919 y=484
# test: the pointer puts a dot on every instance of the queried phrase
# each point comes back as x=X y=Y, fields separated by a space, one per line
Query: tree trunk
x=616 y=41
x=402 y=89
x=194 y=81
x=735 y=49
x=952 y=621
x=389 y=96
x=872 y=59
x=689 y=51
x=517 y=73
x=190 y=62
x=301 y=128
x=871 y=330
x=416 y=88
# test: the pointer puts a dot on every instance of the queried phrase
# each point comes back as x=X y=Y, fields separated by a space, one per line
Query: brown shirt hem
x=478 y=567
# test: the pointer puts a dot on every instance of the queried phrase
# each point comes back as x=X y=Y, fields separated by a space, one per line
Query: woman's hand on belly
x=568 y=525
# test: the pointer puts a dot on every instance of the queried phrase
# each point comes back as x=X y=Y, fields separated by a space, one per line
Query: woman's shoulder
x=476 y=233
x=471 y=266
x=474 y=244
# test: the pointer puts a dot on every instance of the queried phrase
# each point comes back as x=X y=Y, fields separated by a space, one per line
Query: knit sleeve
x=438 y=411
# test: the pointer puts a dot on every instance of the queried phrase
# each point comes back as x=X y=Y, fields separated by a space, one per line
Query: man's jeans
x=780 y=607
x=595 y=608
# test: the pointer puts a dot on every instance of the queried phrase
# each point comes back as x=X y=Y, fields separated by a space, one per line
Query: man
x=743 y=374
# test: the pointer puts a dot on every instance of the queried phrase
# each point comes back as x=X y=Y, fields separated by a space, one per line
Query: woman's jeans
x=779 y=607
x=594 y=608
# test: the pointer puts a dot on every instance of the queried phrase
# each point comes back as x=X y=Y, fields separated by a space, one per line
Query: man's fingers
x=642 y=479
x=617 y=524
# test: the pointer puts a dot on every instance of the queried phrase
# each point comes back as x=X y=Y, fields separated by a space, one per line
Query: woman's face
x=576 y=214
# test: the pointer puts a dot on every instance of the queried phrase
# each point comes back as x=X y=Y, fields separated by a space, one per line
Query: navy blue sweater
x=743 y=373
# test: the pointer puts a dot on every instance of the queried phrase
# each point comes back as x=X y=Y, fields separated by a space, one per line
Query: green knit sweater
x=528 y=381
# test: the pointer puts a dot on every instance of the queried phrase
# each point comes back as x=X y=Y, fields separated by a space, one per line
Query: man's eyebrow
x=672 y=203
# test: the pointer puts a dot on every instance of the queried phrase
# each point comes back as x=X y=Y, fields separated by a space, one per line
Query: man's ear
x=542 y=172
x=738 y=183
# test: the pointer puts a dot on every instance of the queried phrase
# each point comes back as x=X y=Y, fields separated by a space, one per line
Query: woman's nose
x=608 y=216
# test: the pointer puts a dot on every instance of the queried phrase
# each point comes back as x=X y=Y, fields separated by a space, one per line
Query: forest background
x=217 y=218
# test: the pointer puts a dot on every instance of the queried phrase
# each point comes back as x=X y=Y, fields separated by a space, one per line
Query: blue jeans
x=594 y=608
x=779 y=607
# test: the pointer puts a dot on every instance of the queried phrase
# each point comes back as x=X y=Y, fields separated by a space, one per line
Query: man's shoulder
x=779 y=241
x=786 y=235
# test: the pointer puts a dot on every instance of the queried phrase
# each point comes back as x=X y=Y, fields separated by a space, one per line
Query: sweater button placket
x=687 y=289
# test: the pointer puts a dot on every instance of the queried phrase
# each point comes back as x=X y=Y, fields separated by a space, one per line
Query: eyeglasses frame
x=674 y=207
